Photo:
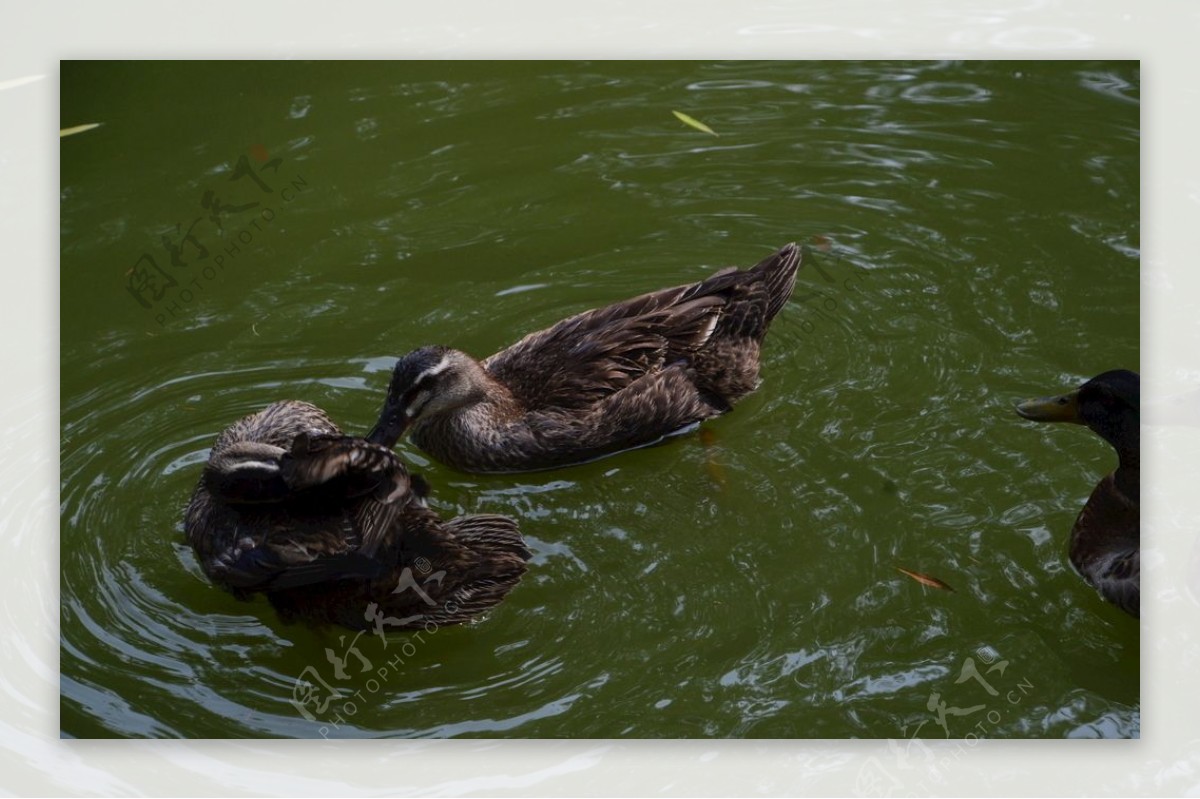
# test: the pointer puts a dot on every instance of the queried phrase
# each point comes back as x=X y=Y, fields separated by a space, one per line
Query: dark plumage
x=600 y=382
x=334 y=530
x=1106 y=538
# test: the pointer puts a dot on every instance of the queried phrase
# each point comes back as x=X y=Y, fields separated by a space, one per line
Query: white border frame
x=1163 y=36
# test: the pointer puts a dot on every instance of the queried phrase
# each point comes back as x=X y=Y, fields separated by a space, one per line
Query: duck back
x=333 y=529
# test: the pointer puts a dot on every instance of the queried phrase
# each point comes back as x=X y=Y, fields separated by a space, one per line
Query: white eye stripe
x=433 y=371
x=255 y=466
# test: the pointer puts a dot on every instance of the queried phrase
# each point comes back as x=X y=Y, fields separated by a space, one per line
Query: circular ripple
x=946 y=93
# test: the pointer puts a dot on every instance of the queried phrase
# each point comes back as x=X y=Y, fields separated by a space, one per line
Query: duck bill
x=1063 y=408
x=391 y=425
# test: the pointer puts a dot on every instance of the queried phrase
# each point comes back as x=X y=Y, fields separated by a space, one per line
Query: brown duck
x=333 y=529
x=603 y=381
x=1106 y=538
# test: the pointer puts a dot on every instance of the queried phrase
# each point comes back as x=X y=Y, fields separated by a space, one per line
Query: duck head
x=1109 y=404
x=426 y=382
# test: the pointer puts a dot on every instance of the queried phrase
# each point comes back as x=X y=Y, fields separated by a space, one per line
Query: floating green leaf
x=77 y=129
x=695 y=123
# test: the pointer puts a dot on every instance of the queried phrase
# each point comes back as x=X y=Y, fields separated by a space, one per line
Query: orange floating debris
x=822 y=243
x=925 y=579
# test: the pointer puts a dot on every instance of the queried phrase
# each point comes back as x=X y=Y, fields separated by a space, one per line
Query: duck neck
x=1126 y=440
x=491 y=405
x=1128 y=475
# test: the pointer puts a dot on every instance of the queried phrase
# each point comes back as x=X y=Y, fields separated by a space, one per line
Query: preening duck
x=1106 y=538
x=334 y=530
x=600 y=382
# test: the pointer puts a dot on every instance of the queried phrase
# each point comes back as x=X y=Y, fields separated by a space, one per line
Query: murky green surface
x=973 y=235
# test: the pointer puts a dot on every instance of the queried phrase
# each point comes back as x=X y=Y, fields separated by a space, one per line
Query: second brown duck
x=600 y=382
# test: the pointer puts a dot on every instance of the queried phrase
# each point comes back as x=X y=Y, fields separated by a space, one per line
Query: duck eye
x=415 y=402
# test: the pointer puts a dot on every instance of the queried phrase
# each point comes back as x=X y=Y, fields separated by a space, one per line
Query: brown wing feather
x=351 y=466
x=665 y=401
x=265 y=547
x=587 y=357
x=1105 y=545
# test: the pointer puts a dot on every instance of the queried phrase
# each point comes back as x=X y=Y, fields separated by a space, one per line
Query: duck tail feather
x=490 y=535
x=779 y=275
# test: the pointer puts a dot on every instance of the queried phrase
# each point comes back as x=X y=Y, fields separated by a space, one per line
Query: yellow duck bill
x=1063 y=408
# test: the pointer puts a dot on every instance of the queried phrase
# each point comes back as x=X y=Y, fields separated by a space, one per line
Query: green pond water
x=972 y=239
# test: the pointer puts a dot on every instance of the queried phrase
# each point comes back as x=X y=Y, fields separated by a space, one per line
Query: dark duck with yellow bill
x=614 y=378
x=334 y=530
x=1106 y=538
